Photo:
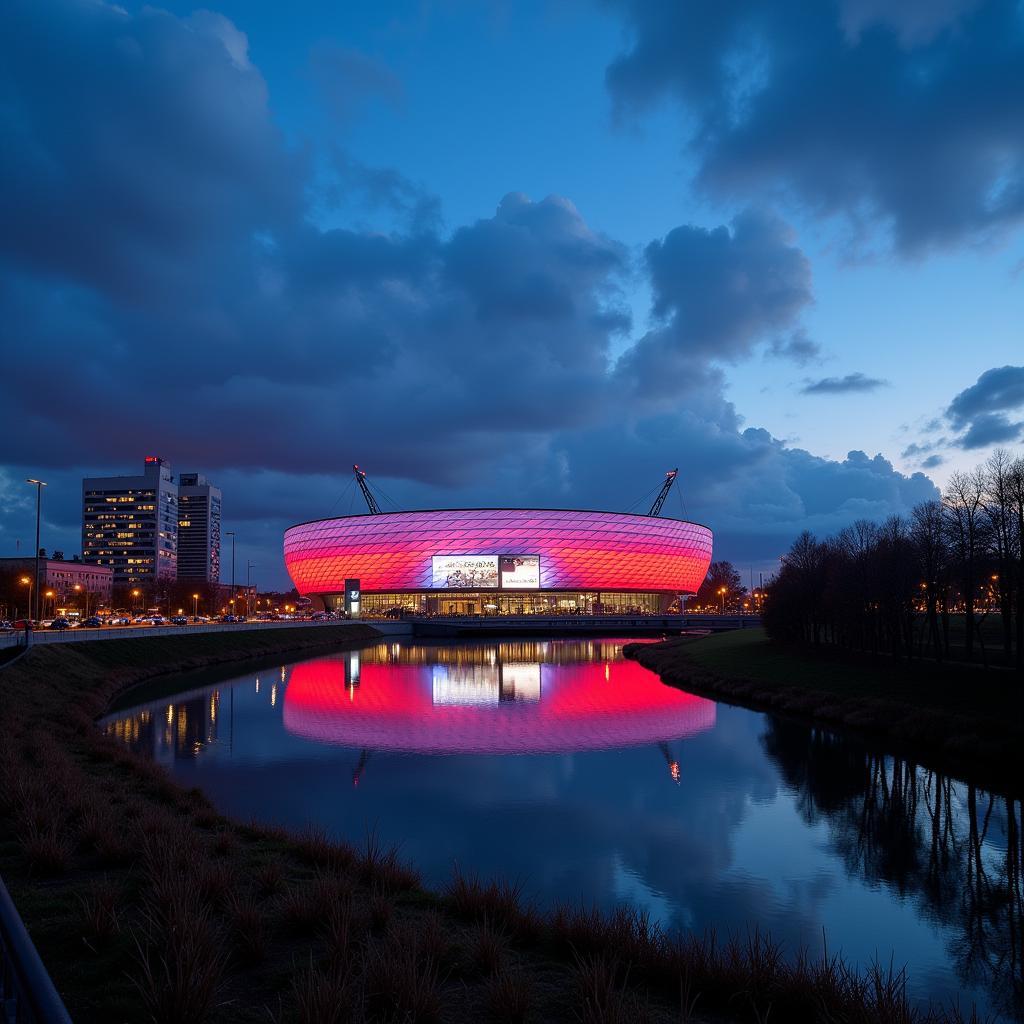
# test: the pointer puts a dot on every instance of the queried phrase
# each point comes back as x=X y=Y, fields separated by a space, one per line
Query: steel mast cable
x=643 y=497
x=351 y=483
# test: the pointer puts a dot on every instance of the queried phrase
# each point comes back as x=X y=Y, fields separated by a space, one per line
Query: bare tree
x=962 y=503
x=1001 y=534
x=928 y=536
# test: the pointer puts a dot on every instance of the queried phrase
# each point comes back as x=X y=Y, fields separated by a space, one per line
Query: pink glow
x=578 y=550
x=584 y=706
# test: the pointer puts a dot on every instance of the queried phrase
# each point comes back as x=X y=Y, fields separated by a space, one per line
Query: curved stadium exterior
x=507 y=561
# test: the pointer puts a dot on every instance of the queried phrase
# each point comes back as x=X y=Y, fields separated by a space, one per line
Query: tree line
x=946 y=582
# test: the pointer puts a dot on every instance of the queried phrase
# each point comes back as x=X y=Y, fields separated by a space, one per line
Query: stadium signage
x=485 y=572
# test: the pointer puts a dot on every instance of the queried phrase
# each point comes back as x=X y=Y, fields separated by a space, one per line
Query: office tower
x=131 y=524
x=198 y=529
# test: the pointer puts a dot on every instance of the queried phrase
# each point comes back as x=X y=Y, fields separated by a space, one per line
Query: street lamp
x=39 y=484
x=135 y=594
x=231 y=534
x=50 y=596
x=248 y=592
x=721 y=591
x=26 y=581
x=195 y=606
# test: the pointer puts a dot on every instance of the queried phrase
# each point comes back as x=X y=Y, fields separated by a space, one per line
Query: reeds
x=380 y=866
x=508 y=997
x=100 y=906
x=249 y=924
x=180 y=959
x=495 y=901
x=324 y=995
x=299 y=907
x=487 y=947
x=402 y=982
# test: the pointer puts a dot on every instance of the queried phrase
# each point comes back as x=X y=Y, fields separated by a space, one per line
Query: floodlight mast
x=659 y=501
x=371 y=501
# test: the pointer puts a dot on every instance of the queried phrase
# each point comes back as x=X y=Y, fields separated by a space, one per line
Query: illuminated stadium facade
x=509 y=561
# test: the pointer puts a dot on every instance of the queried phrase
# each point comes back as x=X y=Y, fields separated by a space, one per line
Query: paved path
x=82 y=633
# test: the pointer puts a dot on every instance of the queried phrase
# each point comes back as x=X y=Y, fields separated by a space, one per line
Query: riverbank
x=958 y=718
x=146 y=904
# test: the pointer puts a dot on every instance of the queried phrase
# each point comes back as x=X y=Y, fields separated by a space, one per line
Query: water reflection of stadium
x=499 y=698
x=510 y=697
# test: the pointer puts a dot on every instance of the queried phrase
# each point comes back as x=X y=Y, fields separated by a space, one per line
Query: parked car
x=23 y=624
x=59 y=624
x=179 y=620
x=93 y=622
x=228 y=618
x=119 y=620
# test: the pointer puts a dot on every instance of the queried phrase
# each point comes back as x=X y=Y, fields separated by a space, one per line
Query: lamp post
x=248 y=584
x=26 y=581
x=195 y=606
x=231 y=534
x=39 y=485
x=50 y=595
x=721 y=591
x=135 y=594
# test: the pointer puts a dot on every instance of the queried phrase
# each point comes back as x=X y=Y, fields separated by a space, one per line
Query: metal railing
x=27 y=995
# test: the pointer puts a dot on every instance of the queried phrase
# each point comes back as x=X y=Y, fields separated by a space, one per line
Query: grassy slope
x=971 y=720
x=146 y=904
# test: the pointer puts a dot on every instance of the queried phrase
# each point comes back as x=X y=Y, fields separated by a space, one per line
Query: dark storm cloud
x=170 y=293
x=157 y=256
x=996 y=390
x=981 y=409
x=758 y=492
x=141 y=162
x=851 y=383
x=909 y=114
x=991 y=428
x=716 y=294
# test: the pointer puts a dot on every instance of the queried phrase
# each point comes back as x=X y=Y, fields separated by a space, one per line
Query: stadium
x=498 y=561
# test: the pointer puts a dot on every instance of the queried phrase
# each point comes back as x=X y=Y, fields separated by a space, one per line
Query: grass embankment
x=146 y=904
x=960 y=718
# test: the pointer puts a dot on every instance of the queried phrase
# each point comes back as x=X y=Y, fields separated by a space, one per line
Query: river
x=580 y=775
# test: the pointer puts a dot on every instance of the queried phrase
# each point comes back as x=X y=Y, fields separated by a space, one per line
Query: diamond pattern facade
x=578 y=550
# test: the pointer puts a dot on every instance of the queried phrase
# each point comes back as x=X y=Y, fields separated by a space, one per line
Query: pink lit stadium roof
x=578 y=550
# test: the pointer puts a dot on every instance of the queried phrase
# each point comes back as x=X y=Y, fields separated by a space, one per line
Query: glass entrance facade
x=526 y=602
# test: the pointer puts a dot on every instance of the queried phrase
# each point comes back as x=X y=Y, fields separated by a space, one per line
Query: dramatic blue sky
x=511 y=253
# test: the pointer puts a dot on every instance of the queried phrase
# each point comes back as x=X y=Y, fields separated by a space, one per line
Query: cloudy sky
x=519 y=253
